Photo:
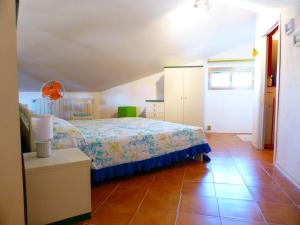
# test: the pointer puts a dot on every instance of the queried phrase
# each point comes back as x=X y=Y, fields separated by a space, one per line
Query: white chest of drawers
x=155 y=109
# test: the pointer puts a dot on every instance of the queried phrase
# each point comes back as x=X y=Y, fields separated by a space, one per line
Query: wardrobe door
x=173 y=91
x=193 y=96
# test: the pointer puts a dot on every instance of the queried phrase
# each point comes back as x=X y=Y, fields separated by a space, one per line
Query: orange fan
x=53 y=90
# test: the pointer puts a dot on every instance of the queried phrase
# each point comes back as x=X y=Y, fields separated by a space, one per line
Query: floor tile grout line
x=246 y=220
x=139 y=206
x=107 y=197
x=215 y=197
x=248 y=191
x=177 y=209
x=274 y=181
x=284 y=191
x=294 y=202
x=215 y=190
x=244 y=184
x=258 y=202
x=286 y=194
x=259 y=207
x=180 y=197
x=219 y=211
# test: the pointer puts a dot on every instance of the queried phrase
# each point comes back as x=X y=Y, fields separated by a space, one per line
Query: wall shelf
x=229 y=60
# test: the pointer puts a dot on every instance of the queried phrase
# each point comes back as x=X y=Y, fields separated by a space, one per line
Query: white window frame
x=231 y=70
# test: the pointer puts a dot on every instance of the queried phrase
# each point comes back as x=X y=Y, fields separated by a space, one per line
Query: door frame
x=268 y=67
x=277 y=99
x=277 y=25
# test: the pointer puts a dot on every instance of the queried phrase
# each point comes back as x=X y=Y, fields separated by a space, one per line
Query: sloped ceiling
x=93 y=45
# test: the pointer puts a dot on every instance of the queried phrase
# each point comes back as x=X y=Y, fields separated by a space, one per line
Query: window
x=220 y=79
x=242 y=79
x=230 y=78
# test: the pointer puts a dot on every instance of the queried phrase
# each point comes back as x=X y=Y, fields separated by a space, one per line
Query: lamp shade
x=42 y=127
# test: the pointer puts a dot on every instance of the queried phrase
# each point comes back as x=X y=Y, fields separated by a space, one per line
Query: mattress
x=111 y=142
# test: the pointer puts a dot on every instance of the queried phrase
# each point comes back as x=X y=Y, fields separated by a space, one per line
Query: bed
x=123 y=146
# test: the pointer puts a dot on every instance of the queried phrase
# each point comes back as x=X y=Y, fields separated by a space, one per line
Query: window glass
x=230 y=78
x=242 y=79
x=220 y=80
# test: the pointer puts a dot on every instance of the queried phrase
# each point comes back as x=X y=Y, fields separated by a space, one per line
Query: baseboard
x=291 y=179
x=73 y=220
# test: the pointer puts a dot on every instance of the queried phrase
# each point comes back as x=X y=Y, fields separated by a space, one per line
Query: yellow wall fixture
x=254 y=52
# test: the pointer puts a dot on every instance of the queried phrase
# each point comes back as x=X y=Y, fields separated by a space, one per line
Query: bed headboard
x=25 y=125
x=66 y=108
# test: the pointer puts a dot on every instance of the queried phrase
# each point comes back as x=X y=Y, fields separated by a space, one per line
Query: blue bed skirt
x=148 y=164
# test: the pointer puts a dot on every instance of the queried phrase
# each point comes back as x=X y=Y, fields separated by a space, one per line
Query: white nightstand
x=58 y=188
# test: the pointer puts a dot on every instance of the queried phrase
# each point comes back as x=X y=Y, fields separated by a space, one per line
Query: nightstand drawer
x=159 y=116
x=155 y=110
x=155 y=115
x=155 y=107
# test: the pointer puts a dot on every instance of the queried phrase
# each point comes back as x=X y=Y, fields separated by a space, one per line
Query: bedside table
x=58 y=188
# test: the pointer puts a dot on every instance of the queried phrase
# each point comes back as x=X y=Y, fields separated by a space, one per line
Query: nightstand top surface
x=58 y=157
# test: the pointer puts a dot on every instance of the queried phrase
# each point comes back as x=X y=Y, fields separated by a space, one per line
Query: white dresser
x=58 y=188
x=155 y=109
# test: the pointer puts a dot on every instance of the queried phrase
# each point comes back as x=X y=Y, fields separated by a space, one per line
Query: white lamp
x=42 y=133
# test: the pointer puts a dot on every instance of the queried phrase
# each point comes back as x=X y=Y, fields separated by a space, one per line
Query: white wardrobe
x=184 y=95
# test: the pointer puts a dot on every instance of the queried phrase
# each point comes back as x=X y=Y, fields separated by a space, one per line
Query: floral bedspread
x=110 y=142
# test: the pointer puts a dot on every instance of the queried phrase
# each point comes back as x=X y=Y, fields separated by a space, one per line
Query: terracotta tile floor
x=240 y=186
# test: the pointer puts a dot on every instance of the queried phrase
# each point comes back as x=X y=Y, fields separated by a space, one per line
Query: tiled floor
x=240 y=186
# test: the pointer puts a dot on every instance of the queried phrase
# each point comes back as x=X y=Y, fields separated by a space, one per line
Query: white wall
x=230 y=111
x=11 y=185
x=27 y=97
x=133 y=93
x=288 y=144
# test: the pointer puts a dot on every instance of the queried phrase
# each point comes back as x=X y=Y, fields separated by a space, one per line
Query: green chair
x=126 y=111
